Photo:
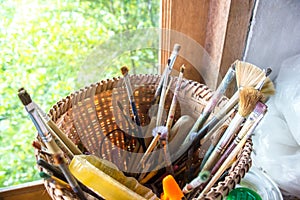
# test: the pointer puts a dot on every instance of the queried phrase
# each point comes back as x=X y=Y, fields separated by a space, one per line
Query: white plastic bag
x=277 y=139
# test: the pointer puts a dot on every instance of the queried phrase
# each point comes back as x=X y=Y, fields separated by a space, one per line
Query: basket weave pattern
x=92 y=119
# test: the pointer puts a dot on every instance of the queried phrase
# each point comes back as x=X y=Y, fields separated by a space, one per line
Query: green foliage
x=43 y=46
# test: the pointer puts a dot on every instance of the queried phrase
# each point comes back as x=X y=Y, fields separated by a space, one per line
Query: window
x=44 y=46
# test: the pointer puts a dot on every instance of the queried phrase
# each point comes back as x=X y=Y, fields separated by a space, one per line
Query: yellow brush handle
x=106 y=180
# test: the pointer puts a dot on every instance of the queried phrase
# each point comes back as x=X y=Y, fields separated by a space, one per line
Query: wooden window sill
x=33 y=190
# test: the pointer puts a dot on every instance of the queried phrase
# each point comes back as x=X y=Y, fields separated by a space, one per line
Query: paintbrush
x=226 y=138
x=231 y=157
x=160 y=96
x=170 y=117
x=52 y=127
x=59 y=160
x=39 y=147
x=247 y=75
x=125 y=71
x=166 y=73
x=208 y=109
x=217 y=134
x=257 y=113
x=55 y=171
x=179 y=131
x=172 y=109
x=41 y=127
x=70 y=146
x=248 y=99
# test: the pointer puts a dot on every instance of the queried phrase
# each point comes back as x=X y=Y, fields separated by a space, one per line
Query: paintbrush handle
x=255 y=115
x=43 y=132
x=59 y=160
x=228 y=160
x=213 y=129
x=210 y=125
x=172 y=110
x=227 y=107
x=223 y=142
x=167 y=70
x=51 y=168
x=212 y=103
x=135 y=113
x=71 y=146
x=220 y=90
x=150 y=148
x=162 y=101
x=230 y=131
x=247 y=126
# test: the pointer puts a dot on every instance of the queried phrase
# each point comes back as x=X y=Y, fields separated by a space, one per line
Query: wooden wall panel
x=219 y=26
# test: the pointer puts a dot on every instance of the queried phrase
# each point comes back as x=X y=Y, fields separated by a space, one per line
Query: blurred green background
x=44 y=45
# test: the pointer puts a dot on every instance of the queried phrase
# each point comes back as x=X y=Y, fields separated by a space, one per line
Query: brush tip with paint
x=176 y=48
x=124 y=70
x=24 y=96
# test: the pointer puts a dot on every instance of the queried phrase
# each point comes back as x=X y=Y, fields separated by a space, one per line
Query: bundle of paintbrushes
x=149 y=136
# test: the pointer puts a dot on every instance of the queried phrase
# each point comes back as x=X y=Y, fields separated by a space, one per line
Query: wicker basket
x=92 y=119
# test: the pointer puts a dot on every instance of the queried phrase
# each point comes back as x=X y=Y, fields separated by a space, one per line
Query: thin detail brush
x=125 y=71
x=170 y=117
x=172 y=109
x=167 y=71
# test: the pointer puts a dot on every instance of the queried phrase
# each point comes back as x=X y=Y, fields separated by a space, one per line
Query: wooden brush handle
x=71 y=146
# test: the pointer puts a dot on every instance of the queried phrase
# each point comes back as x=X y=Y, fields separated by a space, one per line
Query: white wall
x=274 y=34
x=274 y=37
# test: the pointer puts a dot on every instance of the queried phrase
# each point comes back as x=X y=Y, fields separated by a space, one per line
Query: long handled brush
x=208 y=109
x=125 y=71
x=166 y=73
x=160 y=95
x=258 y=112
x=71 y=148
x=170 y=115
x=257 y=91
x=38 y=122
x=248 y=99
x=249 y=130
x=247 y=75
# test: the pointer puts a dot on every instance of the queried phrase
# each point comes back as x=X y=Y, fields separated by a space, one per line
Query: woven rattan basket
x=91 y=116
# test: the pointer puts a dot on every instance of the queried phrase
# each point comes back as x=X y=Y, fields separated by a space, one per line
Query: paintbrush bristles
x=124 y=70
x=268 y=88
x=249 y=96
x=247 y=74
x=24 y=96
